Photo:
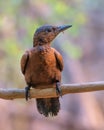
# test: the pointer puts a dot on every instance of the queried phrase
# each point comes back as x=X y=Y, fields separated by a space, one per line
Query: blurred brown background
x=82 y=48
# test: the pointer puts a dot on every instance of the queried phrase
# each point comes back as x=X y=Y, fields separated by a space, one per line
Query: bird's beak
x=63 y=28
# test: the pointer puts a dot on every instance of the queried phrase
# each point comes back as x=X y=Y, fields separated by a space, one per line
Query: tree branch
x=51 y=92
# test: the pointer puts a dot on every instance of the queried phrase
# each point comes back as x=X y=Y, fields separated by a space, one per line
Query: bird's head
x=45 y=34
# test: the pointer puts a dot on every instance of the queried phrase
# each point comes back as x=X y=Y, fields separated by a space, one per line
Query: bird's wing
x=59 y=60
x=24 y=61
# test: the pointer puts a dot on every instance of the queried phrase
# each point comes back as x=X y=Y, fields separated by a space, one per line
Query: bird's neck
x=42 y=48
x=40 y=43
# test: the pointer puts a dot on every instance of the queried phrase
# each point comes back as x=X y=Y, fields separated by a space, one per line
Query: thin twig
x=12 y=93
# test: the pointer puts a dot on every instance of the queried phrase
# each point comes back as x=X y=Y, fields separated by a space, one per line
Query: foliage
x=19 y=20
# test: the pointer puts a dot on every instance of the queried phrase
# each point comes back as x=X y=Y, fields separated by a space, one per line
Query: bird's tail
x=48 y=106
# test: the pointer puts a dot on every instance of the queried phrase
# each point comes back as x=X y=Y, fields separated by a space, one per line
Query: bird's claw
x=27 y=92
x=58 y=89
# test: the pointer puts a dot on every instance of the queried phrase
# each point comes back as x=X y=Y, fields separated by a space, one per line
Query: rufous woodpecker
x=42 y=65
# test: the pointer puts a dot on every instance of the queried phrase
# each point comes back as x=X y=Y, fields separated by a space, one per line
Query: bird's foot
x=27 y=92
x=58 y=88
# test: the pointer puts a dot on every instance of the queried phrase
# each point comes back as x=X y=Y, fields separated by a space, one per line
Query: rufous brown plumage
x=42 y=65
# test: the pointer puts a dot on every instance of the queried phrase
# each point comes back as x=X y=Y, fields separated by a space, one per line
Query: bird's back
x=42 y=66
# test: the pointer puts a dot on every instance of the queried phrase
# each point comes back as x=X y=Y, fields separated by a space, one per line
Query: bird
x=43 y=65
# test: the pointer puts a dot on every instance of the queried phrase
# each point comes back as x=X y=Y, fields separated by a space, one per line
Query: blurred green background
x=82 y=47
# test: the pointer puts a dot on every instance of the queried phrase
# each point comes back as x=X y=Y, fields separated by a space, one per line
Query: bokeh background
x=82 y=47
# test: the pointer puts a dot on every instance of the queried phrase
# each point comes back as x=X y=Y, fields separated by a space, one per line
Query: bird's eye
x=48 y=30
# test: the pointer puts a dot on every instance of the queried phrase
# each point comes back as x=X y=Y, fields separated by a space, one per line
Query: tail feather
x=48 y=106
